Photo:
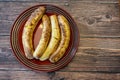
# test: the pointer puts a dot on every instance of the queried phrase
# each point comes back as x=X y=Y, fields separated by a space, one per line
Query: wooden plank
x=93 y=19
x=96 y=1
x=33 y=0
x=96 y=20
x=82 y=1
x=84 y=76
x=105 y=43
x=23 y=75
x=31 y=75
x=4 y=41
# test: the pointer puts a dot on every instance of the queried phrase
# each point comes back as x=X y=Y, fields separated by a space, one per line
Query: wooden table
x=98 y=55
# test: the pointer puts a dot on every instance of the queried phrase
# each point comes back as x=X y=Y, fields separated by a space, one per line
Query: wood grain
x=28 y=75
x=93 y=19
x=84 y=76
x=86 y=1
x=91 y=56
x=98 y=54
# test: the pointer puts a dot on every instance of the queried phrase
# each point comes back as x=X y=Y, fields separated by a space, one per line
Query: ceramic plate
x=16 y=40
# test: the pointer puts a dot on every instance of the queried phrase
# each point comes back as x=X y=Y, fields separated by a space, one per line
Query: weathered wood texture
x=30 y=75
x=98 y=55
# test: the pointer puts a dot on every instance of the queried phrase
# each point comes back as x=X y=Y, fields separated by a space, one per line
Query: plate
x=16 y=40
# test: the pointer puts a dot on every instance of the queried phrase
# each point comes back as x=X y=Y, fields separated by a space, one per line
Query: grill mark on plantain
x=56 y=38
x=62 y=30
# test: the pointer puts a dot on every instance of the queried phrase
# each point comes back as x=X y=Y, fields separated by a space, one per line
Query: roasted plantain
x=41 y=47
x=29 y=29
x=65 y=39
x=55 y=38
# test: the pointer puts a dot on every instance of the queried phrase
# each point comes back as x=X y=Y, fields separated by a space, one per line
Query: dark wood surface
x=98 y=55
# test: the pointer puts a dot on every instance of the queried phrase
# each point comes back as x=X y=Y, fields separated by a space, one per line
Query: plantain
x=29 y=29
x=55 y=38
x=65 y=39
x=46 y=30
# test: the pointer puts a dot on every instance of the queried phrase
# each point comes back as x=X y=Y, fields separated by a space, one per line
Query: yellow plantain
x=55 y=38
x=41 y=47
x=65 y=39
x=29 y=29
